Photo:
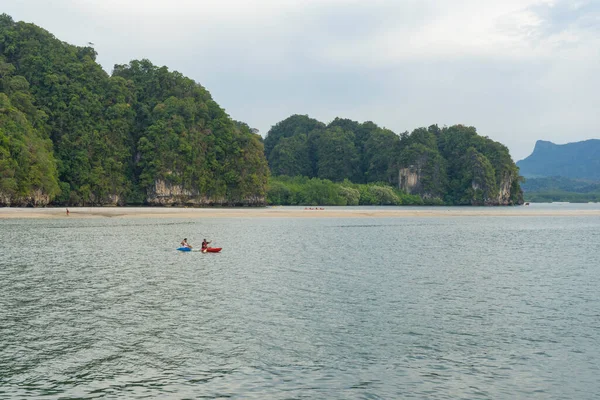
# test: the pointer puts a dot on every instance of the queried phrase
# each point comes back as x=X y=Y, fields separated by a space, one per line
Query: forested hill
x=579 y=160
x=71 y=134
x=453 y=165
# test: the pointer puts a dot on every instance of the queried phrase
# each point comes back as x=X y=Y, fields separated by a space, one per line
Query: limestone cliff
x=508 y=192
x=36 y=198
x=409 y=179
x=425 y=175
x=164 y=193
x=504 y=190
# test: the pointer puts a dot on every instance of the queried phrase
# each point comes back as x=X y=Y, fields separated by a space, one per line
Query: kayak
x=209 y=250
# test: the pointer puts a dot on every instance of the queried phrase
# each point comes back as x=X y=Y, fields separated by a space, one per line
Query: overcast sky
x=518 y=70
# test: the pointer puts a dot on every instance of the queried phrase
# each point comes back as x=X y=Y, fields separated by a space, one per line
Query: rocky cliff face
x=409 y=179
x=4 y=200
x=504 y=190
x=423 y=179
x=41 y=199
x=164 y=193
x=37 y=198
x=114 y=200
x=503 y=197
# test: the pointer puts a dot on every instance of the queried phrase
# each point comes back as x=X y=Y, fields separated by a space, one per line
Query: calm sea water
x=437 y=308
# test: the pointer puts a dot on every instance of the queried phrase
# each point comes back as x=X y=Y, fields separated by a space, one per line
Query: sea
x=489 y=306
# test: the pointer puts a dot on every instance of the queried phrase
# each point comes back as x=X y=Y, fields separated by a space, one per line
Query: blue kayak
x=184 y=249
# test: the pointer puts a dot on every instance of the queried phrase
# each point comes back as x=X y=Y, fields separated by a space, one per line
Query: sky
x=517 y=70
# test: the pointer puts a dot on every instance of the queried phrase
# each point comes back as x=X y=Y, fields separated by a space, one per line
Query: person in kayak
x=184 y=243
x=205 y=244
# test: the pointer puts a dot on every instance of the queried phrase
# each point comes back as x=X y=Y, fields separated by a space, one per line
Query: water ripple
x=401 y=308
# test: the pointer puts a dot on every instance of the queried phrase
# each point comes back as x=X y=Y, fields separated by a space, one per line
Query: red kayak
x=212 y=250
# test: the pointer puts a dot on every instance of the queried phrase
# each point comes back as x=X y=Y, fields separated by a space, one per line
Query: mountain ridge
x=576 y=160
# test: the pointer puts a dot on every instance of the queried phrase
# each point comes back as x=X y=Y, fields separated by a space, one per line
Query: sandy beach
x=295 y=212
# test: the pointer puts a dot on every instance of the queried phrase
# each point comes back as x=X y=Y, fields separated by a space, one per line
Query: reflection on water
x=454 y=307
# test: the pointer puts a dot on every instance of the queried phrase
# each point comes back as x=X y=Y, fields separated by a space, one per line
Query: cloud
x=557 y=17
x=447 y=31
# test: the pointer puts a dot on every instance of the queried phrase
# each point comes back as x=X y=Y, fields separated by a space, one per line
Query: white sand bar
x=300 y=212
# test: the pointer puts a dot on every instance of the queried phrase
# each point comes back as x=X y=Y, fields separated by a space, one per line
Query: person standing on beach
x=67 y=212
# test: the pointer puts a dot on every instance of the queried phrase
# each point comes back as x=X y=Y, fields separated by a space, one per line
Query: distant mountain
x=579 y=160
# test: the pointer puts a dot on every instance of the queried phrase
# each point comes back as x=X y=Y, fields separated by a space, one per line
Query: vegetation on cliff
x=71 y=133
x=450 y=165
x=301 y=190
x=181 y=136
x=27 y=167
x=343 y=149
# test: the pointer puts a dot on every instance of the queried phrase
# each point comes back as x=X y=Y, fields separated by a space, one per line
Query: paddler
x=184 y=243
x=204 y=245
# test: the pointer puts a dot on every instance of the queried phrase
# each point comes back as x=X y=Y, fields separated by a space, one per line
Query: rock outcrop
x=36 y=198
x=409 y=179
x=164 y=193
x=504 y=190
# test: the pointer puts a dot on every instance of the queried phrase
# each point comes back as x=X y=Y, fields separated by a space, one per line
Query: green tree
x=27 y=168
x=115 y=137
x=337 y=156
x=379 y=147
x=291 y=126
x=291 y=157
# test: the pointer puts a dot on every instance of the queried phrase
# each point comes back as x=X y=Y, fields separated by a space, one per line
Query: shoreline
x=286 y=212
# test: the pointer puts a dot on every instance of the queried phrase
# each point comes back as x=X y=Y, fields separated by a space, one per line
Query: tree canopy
x=72 y=134
x=452 y=164
x=114 y=139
